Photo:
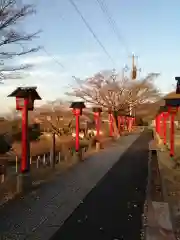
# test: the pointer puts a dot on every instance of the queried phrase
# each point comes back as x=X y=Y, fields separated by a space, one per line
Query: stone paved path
x=40 y=214
x=112 y=210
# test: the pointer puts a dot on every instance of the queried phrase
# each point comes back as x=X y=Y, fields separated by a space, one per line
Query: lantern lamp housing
x=77 y=107
x=172 y=100
x=163 y=109
x=22 y=93
x=97 y=109
x=110 y=111
x=178 y=85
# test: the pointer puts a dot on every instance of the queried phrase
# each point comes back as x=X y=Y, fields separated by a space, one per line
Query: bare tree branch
x=113 y=92
x=13 y=42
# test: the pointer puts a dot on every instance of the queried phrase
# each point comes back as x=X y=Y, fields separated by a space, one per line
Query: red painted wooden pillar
x=130 y=123
x=119 y=123
x=161 y=125
x=158 y=124
x=172 y=134
x=97 y=121
x=77 y=113
x=123 y=122
x=127 y=123
x=165 y=117
x=77 y=132
x=110 y=124
x=25 y=161
x=133 y=122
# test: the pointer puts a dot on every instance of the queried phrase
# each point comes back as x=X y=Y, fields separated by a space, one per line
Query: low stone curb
x=160 y=150
x=155 y=147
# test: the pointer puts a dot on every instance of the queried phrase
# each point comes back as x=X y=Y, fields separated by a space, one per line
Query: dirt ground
x=171 y=181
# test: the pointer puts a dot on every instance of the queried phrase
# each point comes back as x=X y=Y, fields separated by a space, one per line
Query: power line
x=53 y=58
x=56 y=61
x=91 y=30
x=112 y=23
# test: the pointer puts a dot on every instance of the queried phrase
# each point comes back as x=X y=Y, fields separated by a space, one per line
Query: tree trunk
x=115 y=125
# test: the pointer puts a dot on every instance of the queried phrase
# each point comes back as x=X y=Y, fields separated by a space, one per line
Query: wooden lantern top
x=172 y=95
x=163 y=109
x=172 y=99
x=97 y=109
x=77 y=105
x=25 y=92
x=178 y=85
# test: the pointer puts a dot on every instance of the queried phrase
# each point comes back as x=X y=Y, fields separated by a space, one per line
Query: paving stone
x=65 y=192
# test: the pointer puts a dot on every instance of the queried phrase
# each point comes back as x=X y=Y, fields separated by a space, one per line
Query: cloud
x=48 y=74
x=51 y=80
x=37 y=60
x=81 y=65
x=64 y=58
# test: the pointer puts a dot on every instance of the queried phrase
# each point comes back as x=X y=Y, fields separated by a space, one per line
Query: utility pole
x=134 y=68
x=133 y=77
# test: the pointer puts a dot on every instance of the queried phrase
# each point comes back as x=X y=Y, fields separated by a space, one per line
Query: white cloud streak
x=51 y=81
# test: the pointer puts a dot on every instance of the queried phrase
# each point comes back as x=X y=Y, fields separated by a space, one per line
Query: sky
x=149 y=29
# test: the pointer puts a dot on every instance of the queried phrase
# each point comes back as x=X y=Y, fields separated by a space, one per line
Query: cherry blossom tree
x=112 y=92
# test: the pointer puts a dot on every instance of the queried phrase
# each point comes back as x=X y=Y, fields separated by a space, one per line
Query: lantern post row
x=77 y=111
x=172 y=103
x=161 y=122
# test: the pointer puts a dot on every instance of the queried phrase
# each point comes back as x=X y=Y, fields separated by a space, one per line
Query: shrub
x=5 y=146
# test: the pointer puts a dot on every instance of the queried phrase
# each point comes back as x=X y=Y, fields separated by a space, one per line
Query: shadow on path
x=112 y=210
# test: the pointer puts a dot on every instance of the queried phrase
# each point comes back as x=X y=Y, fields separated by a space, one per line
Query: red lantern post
x=77 y=114
x=97 y=112
x=25 y=102
x=119 y=124
x=158 y=124
x=172 y=111
x=165 y=117
x=77 y=111
x=130 y=123
x=110 y=123
x=161 y=125
x=134 y=121
x=123 y=119
x=172 y=101
x=127 y=123
x=25 y=164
